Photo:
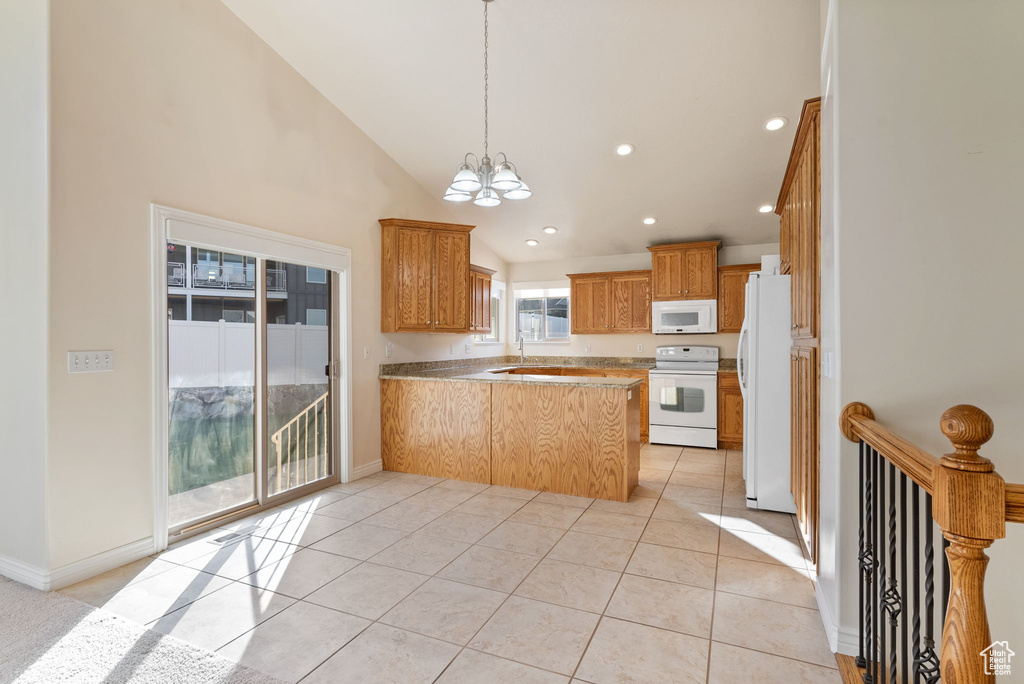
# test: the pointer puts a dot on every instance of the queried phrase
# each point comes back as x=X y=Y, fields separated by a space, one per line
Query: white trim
x=66 y=575
x=839 y=640
x=367 y=469
x=344 y=327
x=160 y=390
x=214 y=233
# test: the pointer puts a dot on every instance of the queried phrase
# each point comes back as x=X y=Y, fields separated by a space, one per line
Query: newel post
x=969 y=507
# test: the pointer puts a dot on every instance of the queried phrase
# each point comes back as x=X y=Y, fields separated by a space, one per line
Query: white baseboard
x=67 y=575
x=839 y=640
x=367 y=469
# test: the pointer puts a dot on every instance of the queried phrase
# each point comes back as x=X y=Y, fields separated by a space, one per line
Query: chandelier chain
x=485 y=75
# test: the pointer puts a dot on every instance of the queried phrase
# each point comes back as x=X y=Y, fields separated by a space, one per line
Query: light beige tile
x=393 y=491
x=512 y=492
x=606 y=553
x=734 y=665
x=359 y=541
x=222 y=616
x=425 y=480
x=610 y=525
x=564 y=499
x=682 y=536
x=304 y=531
x=701 y=467
x=460 y=485
x=549 y=515
x=95 y=588
x=386 y=654
x=674 y=565
x=655 y=463
x=539 y=634
x=354 y=508
x=148 y=599
x=368 y=591
x=312 y=503
x=734 y=498
x=451 y=611
x=461 y=527
x=766 y=581
x=201 y=545
x=766 y=548
x=661 y=451
x=241 y=559
x=694 y=452
x=640 y=506
x=626 y=652
x=534 y=540
x=354 y=486
x=490 y=505
x=490 y=568
x=668 y=605
x=655 y=475
x=770 y=627
x=570 y=585
x=383 y=475
x=649 y=489
x=420 y=553
x=765 y=522
x=405 y=516
x=694 y=495
x=282 y=647
x=692 y=514
x=301 y=573
x=441 y=497
x=474 y=667
x=716 y=482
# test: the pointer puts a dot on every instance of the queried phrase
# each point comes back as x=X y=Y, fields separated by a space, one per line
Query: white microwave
x=684 y=317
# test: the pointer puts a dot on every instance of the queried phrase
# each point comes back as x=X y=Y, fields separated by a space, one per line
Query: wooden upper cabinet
x=480 y=299
x=732 y=294
x=687 y=270
x=799 y=209
x=615 y=302
x=425 y=285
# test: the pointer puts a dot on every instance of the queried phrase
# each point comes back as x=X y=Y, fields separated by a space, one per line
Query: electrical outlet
x=467 y=348
x=387 y=349
x=366 y=352
x=451 y=348
x=586 y=349
x=90 y=361
x=639 y=347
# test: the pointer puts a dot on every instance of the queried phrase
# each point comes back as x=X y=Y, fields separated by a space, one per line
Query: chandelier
x=480 y=175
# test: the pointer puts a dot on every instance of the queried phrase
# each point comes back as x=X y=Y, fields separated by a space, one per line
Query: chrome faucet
x=522 y=354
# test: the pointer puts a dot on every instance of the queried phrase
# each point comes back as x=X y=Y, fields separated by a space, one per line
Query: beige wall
x=926 y=176
x=553 y=273
x=177 y=102
x=24 y=42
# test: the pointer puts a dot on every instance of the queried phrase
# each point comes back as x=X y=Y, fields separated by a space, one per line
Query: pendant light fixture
x=482 y=177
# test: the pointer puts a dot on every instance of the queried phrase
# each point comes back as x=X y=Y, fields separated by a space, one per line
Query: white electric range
x=684 y=396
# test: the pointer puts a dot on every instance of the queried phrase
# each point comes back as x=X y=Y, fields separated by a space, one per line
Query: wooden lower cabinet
x=804 y=464
x=730 y=411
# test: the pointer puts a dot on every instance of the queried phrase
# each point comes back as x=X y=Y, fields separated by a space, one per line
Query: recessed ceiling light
x=650 y=220
x=775 y=123
x=550 y=230
x=532 y=242
x=765 y=208
x=624 y=149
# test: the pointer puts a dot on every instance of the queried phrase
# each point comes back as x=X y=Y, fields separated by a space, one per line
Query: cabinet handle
x=795 y=326
x=437 y=322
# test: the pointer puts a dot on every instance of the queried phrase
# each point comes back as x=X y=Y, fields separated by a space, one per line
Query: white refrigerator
x=763 y=366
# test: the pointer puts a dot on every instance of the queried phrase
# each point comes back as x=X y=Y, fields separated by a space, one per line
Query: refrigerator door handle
x=741 y=360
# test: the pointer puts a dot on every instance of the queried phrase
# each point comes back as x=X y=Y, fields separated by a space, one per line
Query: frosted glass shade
x=505 y=179
x=453 y=195
x=487 y=198
x=466 y=180
x=520 y=193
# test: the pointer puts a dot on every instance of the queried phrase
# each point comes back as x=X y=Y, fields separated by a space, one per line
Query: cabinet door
x=451 y=281
x=415 y=280
x=804 y=442
x=590 y=303
x=700 y=273
x=630 y=303
x=667 y=275
x=730 y=411
x=803 y=221
x=732 y=292
x=480 y=302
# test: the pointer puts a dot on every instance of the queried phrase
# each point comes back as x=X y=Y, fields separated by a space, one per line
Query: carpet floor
x=48 y=638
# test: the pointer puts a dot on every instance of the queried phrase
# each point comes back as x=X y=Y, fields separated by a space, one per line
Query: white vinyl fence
x=221 y=354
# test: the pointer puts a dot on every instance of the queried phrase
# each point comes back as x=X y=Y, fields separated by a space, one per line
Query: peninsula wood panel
x=732 y=294
x=730 y=411
x=631 y=302
x=436 y=427
x=564 y=439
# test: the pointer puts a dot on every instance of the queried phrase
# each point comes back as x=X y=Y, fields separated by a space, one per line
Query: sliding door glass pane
x=211 y=342
x=298 y=352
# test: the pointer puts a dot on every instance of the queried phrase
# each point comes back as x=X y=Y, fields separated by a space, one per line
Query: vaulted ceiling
x=690 y=83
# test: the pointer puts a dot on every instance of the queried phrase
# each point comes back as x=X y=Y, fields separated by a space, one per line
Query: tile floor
x=407 y=579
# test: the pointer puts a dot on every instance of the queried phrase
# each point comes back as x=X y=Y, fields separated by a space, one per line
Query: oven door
x=684 y=400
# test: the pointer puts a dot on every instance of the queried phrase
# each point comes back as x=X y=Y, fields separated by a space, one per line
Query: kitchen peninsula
x=540 y=428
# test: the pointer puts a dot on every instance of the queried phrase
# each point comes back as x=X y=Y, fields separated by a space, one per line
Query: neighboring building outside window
x=316 y=275
x=316 y=316
x=543 y=315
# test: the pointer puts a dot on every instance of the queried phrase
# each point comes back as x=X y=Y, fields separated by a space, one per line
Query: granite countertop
x=496 y=370
x=727 y=365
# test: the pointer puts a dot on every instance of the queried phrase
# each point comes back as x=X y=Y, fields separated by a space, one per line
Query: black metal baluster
x=883 y=568
x=926 y=665
x=869 y=563
x=893 y=602
x=915 y=557
x=945 y=579
x=905 y=644
x=861 y=555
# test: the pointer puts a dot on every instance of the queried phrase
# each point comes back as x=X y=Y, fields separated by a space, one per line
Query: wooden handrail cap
x=855 y=408
x=967 y=427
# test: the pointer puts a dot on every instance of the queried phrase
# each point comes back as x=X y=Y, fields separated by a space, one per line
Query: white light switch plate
x=90 y=361
x=826 y=364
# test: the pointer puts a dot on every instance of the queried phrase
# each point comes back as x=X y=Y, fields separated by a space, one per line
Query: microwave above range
x=684 y=317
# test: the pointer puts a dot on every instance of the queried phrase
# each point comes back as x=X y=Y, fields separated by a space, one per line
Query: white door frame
x=199 y=230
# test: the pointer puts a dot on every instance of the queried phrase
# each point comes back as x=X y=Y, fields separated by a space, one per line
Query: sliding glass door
x=249 y=375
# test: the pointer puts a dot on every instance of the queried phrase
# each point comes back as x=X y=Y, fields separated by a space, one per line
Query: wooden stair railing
x=970 y=505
